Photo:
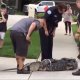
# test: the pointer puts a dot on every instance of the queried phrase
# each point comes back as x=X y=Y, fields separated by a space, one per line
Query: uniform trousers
x=46 y=44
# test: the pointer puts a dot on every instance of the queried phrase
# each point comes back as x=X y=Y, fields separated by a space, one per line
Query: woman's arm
x=3 y=18
x=1 y=21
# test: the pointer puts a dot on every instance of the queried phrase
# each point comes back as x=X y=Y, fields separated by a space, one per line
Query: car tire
x=26 y=13
x=35 y=11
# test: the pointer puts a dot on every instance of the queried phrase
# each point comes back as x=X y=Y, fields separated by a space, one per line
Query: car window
x=47 y=3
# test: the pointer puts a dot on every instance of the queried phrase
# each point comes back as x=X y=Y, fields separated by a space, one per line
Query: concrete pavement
x=9 y=63
x=64 y=46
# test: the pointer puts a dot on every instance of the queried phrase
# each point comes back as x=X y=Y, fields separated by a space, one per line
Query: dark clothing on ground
x=18 y=35
x=52 y=17
x=3 y=25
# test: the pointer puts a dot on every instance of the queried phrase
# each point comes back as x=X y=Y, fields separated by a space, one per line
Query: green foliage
x=75 y=18
x=74 y=29
x=39 y=15
x=35 y=1
x=34 y=48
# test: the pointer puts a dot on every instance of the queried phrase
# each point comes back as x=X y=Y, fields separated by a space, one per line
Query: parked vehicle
x=25 y=9
x=43 y=5
x=40 y=7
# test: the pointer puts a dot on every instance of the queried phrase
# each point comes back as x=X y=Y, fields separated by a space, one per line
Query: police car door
x=41 y=6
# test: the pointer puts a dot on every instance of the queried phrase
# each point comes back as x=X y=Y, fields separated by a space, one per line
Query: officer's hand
x=53 y=34
x=2 y=13
x=46 y=33
x=28 y=38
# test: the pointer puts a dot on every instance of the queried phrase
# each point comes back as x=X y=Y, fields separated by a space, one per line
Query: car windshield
x=47 y=3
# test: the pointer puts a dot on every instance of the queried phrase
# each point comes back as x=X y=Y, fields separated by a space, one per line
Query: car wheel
x=26 y=13
x=35 y=11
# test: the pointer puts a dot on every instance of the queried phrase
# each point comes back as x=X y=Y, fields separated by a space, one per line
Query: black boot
x=79 y=52
x=23 y=71
x=78 y=56
x=77 y=73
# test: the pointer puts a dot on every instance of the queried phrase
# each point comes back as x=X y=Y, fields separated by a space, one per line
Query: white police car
x=44 y=5
x=40 y=7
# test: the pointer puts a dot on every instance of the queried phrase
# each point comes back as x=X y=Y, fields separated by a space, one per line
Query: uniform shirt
x=78 y=17
x=3 y=25
x=24 y=24
x=52 y=17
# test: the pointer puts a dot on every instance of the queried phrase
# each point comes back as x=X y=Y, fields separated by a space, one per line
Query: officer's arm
x=45 y=28
x=53 y=32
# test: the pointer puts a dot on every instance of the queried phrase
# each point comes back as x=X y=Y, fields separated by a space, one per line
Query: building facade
x=18 y=4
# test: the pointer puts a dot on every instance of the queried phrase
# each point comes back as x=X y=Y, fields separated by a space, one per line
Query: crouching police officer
x=52 y=16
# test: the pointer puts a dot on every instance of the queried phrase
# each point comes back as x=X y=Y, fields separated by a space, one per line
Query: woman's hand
x=2 y=13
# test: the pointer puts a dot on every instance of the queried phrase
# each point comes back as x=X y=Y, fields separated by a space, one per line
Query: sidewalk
x=9 y=63
x=64 y=46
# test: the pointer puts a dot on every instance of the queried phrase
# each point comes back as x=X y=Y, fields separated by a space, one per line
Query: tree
x=35 y=1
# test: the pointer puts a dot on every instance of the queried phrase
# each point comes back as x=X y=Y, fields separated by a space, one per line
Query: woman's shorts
x=2 y=35
x=20 y=44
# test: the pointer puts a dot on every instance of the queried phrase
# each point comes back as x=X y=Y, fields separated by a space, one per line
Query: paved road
x=63 y=46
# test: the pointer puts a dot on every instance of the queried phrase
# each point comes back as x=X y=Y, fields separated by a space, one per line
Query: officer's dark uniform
x=78 y=19
x=52 y=17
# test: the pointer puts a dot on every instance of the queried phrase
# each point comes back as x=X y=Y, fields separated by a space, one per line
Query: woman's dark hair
x=62 y=6
x=3 y=6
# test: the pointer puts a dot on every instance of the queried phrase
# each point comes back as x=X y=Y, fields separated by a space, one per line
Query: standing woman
x=52 y=16
x=3 y=23
x=68 y=19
